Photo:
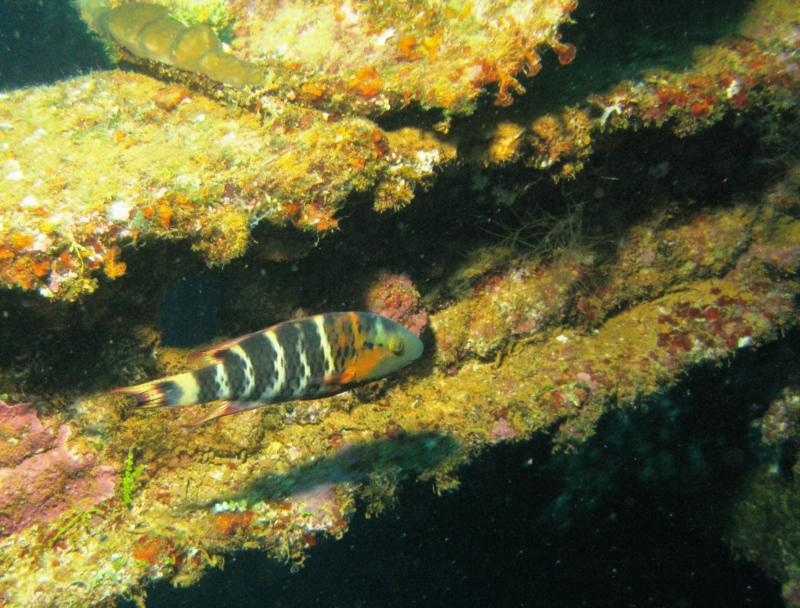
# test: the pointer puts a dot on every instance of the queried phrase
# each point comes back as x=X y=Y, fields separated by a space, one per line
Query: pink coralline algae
x=40 y=478
x=320 y=506
x=394 y=296
x=21 y=433
x=588 y=381
x=502 y=431
x=784 y=260
x=515 y=303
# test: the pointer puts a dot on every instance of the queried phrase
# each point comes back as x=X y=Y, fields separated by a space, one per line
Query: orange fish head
x=388 y=348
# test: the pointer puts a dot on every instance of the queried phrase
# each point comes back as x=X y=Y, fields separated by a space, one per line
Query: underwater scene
x=343 y=303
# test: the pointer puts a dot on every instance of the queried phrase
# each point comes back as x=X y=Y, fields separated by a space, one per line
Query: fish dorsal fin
x=214 y=353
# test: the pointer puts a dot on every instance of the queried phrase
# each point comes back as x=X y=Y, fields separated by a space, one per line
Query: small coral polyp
x=148 y=31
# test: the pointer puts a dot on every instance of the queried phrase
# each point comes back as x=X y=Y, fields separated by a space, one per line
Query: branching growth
x=129 y=476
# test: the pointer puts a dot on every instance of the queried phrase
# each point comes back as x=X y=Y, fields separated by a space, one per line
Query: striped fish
x=301 y=359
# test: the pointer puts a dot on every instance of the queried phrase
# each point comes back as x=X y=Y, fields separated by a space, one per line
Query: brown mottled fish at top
x=149 y=31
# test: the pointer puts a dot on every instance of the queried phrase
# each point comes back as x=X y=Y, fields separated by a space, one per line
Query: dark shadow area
x=408 y=453
x=191 y=310
x=625 y=39
x=44 y=40
x=63 y=347
x=697 y=440
x=633 y=519
x=628 y=177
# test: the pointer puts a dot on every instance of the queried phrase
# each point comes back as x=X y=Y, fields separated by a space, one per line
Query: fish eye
x=396 y=345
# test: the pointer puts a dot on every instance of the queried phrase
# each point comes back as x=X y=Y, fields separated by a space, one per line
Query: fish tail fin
x=170 y=391
x=149 y=394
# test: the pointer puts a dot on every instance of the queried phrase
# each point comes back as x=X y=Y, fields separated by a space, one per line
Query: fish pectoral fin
x=337 y=383
x=346 y=377
x=226 y=408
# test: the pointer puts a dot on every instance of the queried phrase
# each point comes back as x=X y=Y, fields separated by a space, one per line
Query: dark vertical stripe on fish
x=366 y=325
x=343 y=341
x=208 y=389
x=170 y=390
x=329 y=324
x=262 y=357
x=314 y=355
x=288 y=338
x=234 y=369
x=347 y=330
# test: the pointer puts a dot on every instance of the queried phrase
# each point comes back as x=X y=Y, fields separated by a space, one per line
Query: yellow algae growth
x=112 y=159
x=148 y=31
x=367 y=57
